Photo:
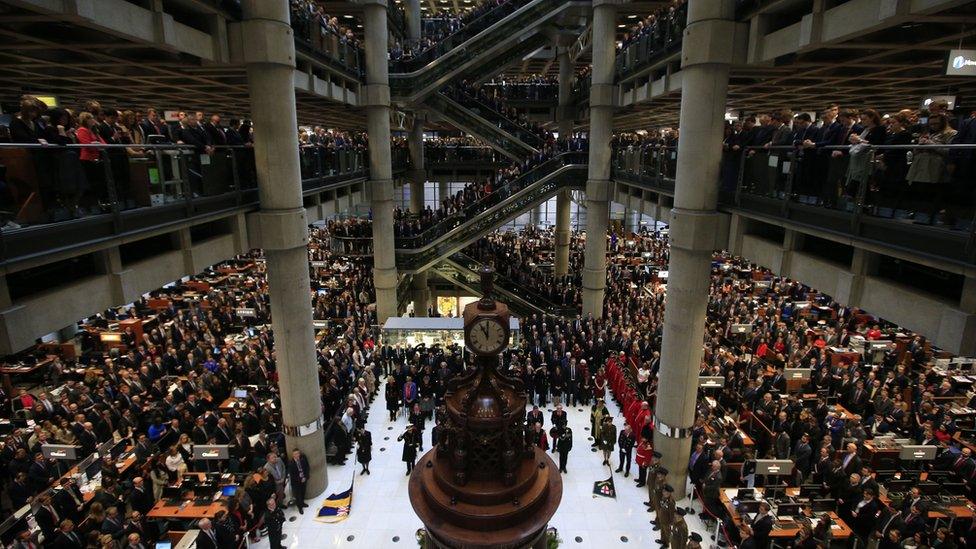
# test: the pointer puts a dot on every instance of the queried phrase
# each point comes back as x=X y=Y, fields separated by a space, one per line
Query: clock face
x=487 y=336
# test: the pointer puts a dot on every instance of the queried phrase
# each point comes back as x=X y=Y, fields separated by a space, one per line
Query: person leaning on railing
x=928 y=176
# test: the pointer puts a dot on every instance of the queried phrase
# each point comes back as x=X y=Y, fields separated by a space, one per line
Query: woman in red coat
x=600 y=385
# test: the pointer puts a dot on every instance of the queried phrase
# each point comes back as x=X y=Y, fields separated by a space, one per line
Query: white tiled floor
x=381 y=509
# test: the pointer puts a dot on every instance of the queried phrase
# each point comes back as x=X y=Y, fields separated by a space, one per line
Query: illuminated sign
x=961 y=63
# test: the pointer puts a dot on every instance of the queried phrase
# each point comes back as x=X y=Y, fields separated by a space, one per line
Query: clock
x=487 y=335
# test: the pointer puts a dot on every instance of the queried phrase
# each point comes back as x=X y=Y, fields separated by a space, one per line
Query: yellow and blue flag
x=336 y=507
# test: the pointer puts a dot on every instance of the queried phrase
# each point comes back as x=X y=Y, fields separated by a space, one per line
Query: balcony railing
x=327 y=46
x=55 y=197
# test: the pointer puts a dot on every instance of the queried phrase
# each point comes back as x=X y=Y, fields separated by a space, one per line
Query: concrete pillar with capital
x=706 y=57
x=602 y=99
x=376 y=94
x=565 y=121
x=281 y=230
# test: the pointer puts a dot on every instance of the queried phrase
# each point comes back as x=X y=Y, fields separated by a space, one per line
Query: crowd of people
x=325 y=33
x=480 y=97
x=131 y=396
x=651 y=35
x=463 y=148
x=526 y=87
x=849 y=156
x=440 y=25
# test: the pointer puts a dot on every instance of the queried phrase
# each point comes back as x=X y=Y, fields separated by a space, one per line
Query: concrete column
x=443 y=189
x=413 y=20
x=281 y=228
x=706 y=56
x=563 y=200
x=421 y=294
x=418 y=175
x=967 y=301
x=380 y=185
x=602 y=99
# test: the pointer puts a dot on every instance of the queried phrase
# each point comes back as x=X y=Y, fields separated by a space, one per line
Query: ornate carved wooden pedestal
x=485 y=484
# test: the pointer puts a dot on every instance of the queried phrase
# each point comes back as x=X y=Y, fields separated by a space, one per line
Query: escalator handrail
x=518 y=141
x=464 y=260
x=506 y=120
x=446 y=45
x=431 y=232
x=430 y=254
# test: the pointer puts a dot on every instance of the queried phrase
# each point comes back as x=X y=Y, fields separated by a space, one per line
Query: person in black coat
x=142 y=499
x=762 y=525
x=19 y=491
x=865 y=515
x=47 y=518
x=66 y=537
x=298 y=471
x=410 y=439
x=563 y=445
x=364 y=449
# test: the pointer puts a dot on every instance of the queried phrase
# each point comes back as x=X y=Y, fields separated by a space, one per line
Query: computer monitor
x=228 y=491
x=748 y=506
x=60 y=451
x=164 y=545
x=823 y=505
x=954 y=488
x=240 y=393
x=899 y=485
x=928 y=488
x=797 y=374
x=789 y=509
x=171 y=492
x=809 y=490
x=211 y=451
x=774 y=466
x=711 y=382
x=746 y=493
x=918 y=453
x=741 y=329
x=93 y=470
x=118 y=449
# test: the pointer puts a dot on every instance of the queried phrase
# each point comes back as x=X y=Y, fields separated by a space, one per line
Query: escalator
x=463 y=270
x=565 y=171
x=505 y=137
x=489 y=43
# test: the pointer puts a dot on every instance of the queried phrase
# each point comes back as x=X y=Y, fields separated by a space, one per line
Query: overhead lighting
x=347 y=17
x=621 y=26
x=631 y=17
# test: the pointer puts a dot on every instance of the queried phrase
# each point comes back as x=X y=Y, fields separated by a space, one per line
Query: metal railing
x=496 y=118
x=527 y=295
x=535 y=186
x=497 y=135
x=321 y=42
x=662 y=39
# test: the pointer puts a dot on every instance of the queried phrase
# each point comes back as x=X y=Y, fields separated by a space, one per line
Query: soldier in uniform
x=679 y=530
x=665 y=517
x=274 y=519
x=694 y=541
x=658 y=480
x=563 y=445
x=652 y=482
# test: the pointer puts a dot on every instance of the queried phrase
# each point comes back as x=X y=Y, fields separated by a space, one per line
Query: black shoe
x=641 y=485
x=656 y=528
x=646 y=503
x=301 y=510
x=617 y=470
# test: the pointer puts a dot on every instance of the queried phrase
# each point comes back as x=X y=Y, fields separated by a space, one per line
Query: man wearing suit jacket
x=142 y=497
x=66 y=537
x=865 y=515
x=762 y=525
x=802 y=454
x=47 y=518
x=851 y=462
x=298 y=471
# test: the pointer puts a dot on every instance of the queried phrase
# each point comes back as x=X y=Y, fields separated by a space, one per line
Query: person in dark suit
x=298 y=471
x=142 y=498
x=47 y=518
x=865 y=515
x=210 y=537
x=762 y=525
x=850 y=461
x=215 y=131
x=915 y=521
x=802 y=454
x=40 y=473
x=19 y=491
x=66 y=537
x=112 y=524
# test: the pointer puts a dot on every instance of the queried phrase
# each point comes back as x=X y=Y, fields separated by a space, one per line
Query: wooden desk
x=188 y=510
x=11 y=370
x=787 y=529
x=122 y=466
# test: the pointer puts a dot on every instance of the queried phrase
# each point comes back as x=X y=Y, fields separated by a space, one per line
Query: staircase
x=483 y=46
x=564 y=171
x=463 y=270
x=503 y=135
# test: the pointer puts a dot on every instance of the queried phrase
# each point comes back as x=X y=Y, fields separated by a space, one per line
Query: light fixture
x=632 y=17
x=621 y=26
